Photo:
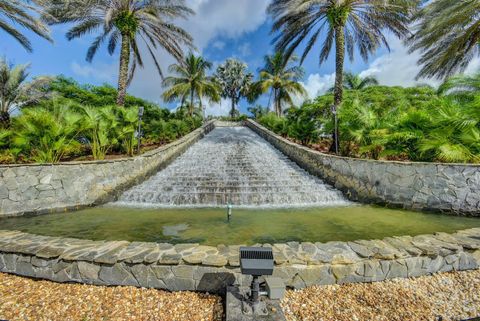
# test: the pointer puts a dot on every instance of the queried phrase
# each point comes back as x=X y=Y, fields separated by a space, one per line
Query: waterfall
x=232 y=165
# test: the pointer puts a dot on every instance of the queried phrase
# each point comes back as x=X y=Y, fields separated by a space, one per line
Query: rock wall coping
x=207 y=268
x=449 y=188
x=36 y=188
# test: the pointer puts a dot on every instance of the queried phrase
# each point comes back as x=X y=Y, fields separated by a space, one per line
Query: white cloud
x=474 y=66
x=396 y=68
x=245 y=49
x=102 y=72
x=213 y=19
x=224 y=18
x=218 y=45
x=318 y=84
x=221 y=109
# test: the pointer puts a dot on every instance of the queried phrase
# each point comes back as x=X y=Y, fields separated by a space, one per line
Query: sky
x=221 y=29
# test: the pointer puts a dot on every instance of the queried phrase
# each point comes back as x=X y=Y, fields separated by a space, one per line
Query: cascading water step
x=232 y=165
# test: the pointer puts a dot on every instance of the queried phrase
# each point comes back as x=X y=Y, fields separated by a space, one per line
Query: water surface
x=210 y=226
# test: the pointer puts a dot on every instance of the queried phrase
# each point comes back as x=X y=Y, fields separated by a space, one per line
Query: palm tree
x=348 y=23
x=190 y=82
x=127 y=21
x=461 y=84
x=447 y=35
x=234 y=80
x=352 y=81
x=15 y=92
x=19 y=12
x=282 y=78
x=355 y=82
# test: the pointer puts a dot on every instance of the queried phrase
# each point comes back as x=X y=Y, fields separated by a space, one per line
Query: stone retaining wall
x=210 y=269
x=449 y=188
x=49 y=188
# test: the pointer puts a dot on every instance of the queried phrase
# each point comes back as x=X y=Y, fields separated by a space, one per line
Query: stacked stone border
x=448 y=188
x=209 y=269
x=40 y=189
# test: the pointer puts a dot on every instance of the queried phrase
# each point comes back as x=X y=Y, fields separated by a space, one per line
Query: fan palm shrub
x=190 y=82
x=136 y=24
x=303 y=126
x=275 y=123
x=97 y=126
x=282 y=77
x=234 y=81
x=126 y=129
x=46 y=136
x=352 y=81
x=15 y=13
x=461 y=85
x=447 y=35
x=454 y=135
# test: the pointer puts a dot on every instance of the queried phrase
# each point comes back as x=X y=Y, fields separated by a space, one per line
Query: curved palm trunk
x=338 y=89
x=4 y=119
x=123 y=71
x=190 y=109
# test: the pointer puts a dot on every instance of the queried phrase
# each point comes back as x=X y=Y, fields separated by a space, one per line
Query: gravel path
x=453 y=296
x=26 y=299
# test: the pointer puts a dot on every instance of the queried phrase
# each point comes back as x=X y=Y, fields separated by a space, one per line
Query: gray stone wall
x=48 y=188
x=449 y=188
x=205 y=268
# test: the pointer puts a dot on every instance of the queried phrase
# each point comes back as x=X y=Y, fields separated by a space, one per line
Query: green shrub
x=391 y=123
x=45 y=136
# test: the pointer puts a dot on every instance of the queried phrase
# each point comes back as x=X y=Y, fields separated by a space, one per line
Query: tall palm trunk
x=338 y=89
x=232 y=111
x=123 y=72
x=276 y=100
x=4 y=119
x=190 y=109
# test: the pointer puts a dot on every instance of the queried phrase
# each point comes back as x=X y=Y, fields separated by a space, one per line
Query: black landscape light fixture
x=139 y=130
x=256 y=261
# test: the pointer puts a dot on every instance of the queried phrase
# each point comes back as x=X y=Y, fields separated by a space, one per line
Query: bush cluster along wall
x=450 y=188
x=49 y=188
x=210 y=269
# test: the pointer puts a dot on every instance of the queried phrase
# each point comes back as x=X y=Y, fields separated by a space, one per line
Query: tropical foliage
x=391 y=123
x=126 y=22
x=352 y=81
x=15 y=91
x=191 y=83
x=15 y=13
x=461 y=85
x=234 y=81
x=281 y=77
x=85 y=123
x=447 y=34
x=342 y=24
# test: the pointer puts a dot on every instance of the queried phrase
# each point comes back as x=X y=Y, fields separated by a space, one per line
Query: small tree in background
x=234 y=80
x=15 y=92
x=282 y=77
x=190 y=82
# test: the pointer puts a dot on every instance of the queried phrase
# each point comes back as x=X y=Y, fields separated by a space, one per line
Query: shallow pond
x=247 y=226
